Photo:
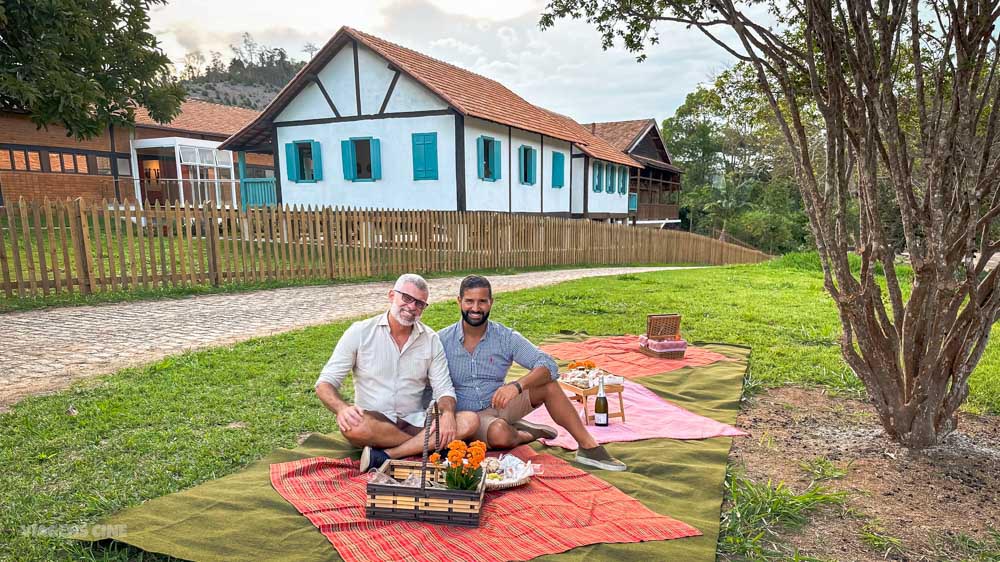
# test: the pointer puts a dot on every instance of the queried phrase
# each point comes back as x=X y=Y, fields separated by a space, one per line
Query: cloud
x=563 y=69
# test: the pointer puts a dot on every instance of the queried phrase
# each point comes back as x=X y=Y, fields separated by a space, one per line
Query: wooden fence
x=75 y=246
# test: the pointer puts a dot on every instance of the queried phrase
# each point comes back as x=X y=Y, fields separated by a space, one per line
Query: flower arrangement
x=464 y=464
x=586 y=364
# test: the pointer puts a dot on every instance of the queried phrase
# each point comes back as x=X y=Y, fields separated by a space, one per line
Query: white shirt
x=388 y=379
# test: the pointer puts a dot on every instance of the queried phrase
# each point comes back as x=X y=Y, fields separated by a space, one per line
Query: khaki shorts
x=517 y=408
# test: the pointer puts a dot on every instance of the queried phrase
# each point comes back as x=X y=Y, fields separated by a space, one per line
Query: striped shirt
x=479 y=374
x=387 y=379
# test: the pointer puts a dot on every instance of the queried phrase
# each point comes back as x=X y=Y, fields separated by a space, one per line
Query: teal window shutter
x=532 y=166
x=419 y=162
x=496 y=159
x=609 y=185
x=317 y=161
x=623 y=180
x=376 y=148
x=347 y=155
x=292 y=162
x=481 y=157
x=598 y=172
x=425 y=156
x=431 y=155
x=558 y=172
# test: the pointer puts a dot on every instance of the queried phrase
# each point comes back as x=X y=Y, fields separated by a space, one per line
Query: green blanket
x=241 y=517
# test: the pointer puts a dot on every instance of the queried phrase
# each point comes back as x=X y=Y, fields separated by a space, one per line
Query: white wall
x=577 y=184
x=338 y=79
x=396 y=189
x=604 y=202
x=308 y=104
x=555 y=200
x=482 y=195
x=524 y=198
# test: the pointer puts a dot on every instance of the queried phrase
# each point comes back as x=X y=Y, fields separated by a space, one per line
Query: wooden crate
x=431 y=505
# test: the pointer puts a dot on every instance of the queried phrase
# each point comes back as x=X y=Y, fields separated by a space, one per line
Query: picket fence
x=86 y=247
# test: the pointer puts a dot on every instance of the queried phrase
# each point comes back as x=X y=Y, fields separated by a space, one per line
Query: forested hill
x=251 y=78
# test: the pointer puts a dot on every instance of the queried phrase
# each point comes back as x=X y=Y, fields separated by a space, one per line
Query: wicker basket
x=663 y=326
x=431 y=505
x=662 y=354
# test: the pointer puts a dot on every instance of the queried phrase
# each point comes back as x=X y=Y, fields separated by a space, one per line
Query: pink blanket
x=647 y=416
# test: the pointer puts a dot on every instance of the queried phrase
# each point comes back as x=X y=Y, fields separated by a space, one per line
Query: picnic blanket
x=561 y=509
x=241 y=517
x=647 y=416
x=620 y=356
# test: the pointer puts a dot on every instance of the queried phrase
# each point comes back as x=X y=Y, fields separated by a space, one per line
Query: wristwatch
x=518 y=385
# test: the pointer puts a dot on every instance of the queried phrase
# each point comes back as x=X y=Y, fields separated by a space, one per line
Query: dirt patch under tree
x=902 y=505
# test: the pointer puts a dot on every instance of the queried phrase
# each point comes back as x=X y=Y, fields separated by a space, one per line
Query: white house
x=368 y=123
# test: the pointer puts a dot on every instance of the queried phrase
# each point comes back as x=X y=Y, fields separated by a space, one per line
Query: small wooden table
x=582 y=395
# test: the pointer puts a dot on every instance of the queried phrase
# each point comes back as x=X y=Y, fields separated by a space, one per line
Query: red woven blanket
x=561 y=509
x=619 y=355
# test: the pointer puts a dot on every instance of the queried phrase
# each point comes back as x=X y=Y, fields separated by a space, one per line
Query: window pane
x=81 y=164
x=124 y=167
x=363 y=159
x=20 y=161
x=206 y=156
x=35 y=161
x=189 y=155
x=305 y=152
x=225 y=173
x=5 y=161
x=55 y=162
x=104 y=165
x=224 y=158
x=67 y=161
x=488 y=158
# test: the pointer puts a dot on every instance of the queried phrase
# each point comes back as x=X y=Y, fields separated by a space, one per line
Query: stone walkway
x=46 y=350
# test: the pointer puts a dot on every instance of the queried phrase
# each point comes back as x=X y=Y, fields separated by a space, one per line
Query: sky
x=562 y=69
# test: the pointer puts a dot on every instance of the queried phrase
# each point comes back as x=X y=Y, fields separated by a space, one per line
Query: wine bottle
x=601 y=406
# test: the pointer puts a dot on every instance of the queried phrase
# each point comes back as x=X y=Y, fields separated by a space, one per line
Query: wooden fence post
x=81 y=237
x=212 y=237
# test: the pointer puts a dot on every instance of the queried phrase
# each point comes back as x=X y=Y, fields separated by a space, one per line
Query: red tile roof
x=469 y=93
x=620 y=134
x=202 y=117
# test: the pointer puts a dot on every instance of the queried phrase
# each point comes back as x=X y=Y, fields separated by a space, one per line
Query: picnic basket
x=428 y=504
x=663 y=328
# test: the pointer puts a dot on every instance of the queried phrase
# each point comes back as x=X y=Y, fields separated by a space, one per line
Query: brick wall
x=18 y=129
x=39 y=185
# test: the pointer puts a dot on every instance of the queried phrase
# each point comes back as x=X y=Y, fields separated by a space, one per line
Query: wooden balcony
x=655 y=211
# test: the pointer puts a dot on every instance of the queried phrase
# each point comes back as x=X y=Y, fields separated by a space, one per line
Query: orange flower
x=455 y=458
x=478 y=445
x=457 y=445
x=435 y=458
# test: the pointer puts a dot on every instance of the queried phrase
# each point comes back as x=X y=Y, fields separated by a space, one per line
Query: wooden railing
x=77 y=246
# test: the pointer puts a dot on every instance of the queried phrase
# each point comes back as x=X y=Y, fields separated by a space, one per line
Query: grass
x=759 y=511
x=986 y=549
x=146 y=432
x=875 y=537
x=821 y=469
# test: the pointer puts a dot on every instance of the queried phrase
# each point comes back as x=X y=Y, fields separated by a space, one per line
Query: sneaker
x=598 y=457
x=372 y=458
x=537 y=430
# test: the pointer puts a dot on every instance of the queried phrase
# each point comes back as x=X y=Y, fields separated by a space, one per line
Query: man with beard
x=480 y=352
x=394 y=357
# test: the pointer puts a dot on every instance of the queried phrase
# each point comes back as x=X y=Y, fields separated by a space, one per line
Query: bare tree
x=310 y=48
x=904 y=93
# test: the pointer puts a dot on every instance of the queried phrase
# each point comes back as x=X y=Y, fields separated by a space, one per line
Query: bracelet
x=518 y=385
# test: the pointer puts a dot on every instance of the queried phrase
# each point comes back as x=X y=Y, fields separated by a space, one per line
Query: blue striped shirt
x=478 y=375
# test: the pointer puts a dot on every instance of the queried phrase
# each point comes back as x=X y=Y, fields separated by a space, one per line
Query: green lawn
x=146 y=432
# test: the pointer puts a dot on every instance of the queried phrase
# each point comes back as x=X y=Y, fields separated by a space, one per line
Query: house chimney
x=593 y=128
